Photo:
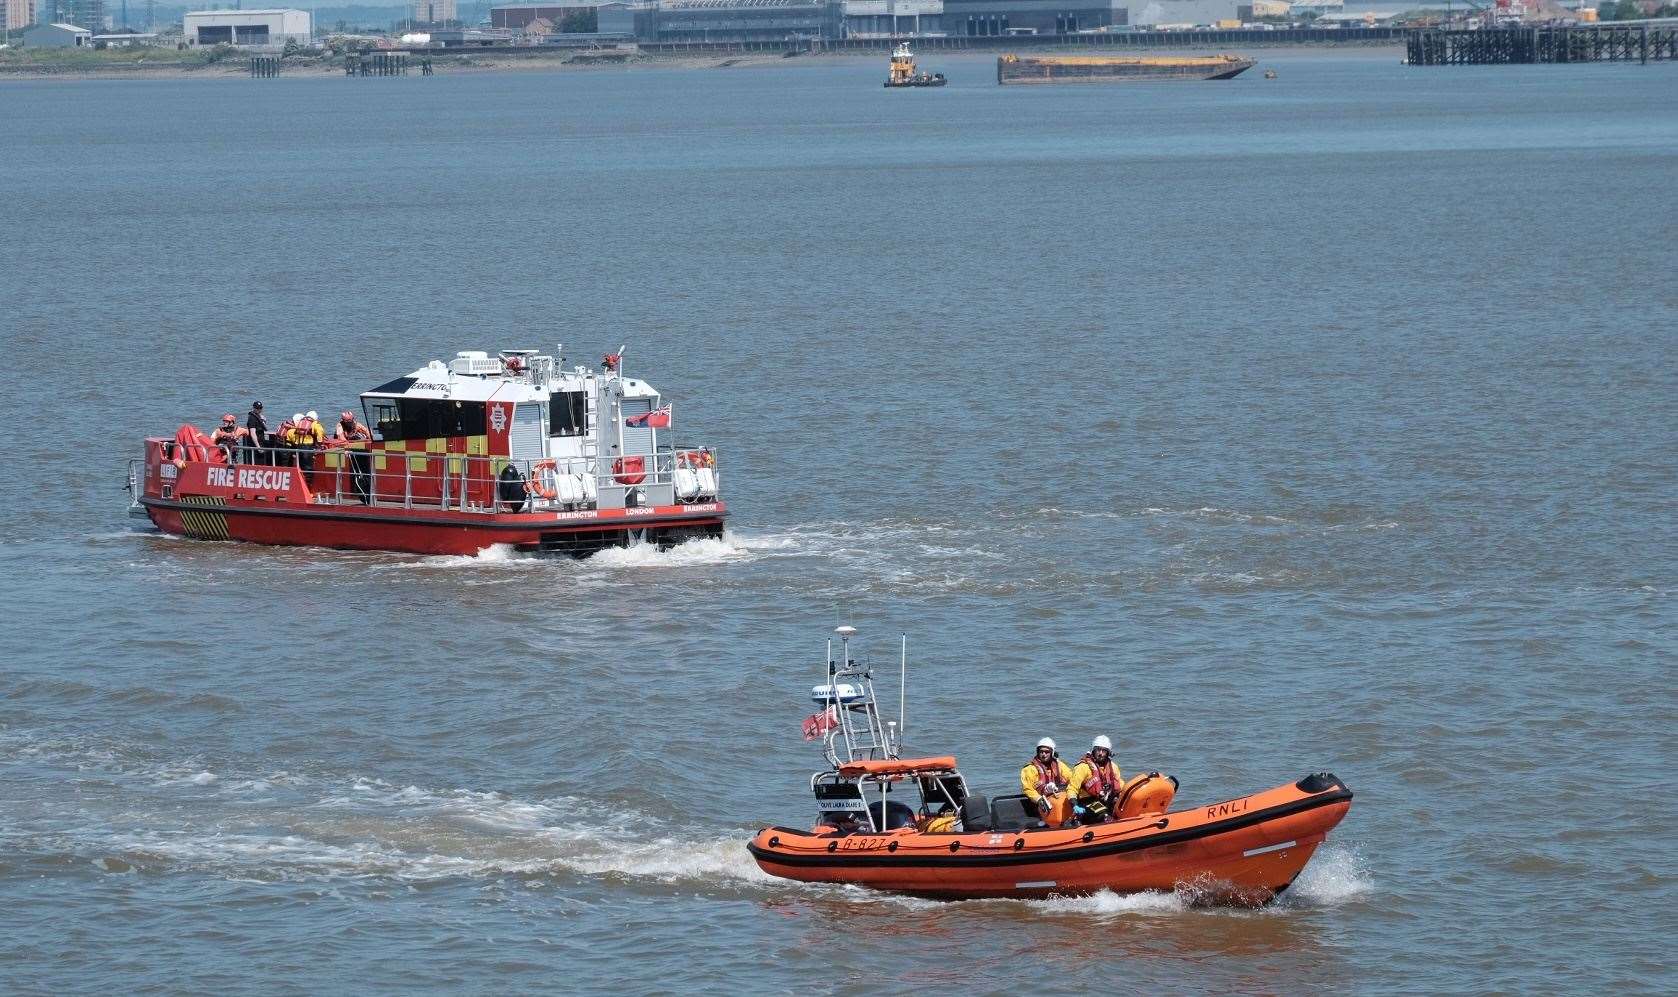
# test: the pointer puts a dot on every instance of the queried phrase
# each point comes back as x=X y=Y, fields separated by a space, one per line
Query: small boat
x=912 y=825
x=511 y=449
x=903 y=74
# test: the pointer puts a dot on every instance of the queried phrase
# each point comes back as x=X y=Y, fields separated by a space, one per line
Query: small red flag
x=816 y=725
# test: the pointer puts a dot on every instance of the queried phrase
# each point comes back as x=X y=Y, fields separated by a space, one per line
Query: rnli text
x=1229 y=809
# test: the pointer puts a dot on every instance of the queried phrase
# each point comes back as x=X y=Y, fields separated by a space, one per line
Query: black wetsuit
x=258 y=427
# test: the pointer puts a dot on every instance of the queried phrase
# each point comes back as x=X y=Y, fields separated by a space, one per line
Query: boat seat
x=1014 y=813
x=896 y=815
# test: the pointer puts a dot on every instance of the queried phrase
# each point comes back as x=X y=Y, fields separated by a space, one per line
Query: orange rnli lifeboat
x=911 y=825
x=1246 y=850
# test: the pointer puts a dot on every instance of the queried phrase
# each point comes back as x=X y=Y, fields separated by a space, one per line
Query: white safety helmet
x=297 y=418
x=1101 y=742
x=312 y=414
x=1047 y=742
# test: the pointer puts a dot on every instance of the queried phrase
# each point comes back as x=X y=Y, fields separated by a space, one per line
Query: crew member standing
x=1096 y=782
x=1046 y=780
x=305 y=435
x=256 y=433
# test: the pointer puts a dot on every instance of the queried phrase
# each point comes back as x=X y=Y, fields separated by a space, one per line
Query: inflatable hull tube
x=1243 y=851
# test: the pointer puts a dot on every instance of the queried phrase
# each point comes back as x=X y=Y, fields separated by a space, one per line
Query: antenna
x=903 y=686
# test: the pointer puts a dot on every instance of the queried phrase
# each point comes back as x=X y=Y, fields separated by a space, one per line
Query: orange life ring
x=534 y=482
x=630 y=470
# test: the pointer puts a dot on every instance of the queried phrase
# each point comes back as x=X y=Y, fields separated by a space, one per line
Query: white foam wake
x=1107 y=902
x=1335 y=875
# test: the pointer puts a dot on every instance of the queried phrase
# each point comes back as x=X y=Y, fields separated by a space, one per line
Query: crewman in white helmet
x=1095 y=782
x=1046 y=781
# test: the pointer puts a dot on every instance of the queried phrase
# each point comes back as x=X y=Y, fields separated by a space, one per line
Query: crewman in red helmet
x=349 y=430
x=229 y=436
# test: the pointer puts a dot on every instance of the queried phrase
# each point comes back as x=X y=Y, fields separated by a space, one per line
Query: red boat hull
x=430 y=531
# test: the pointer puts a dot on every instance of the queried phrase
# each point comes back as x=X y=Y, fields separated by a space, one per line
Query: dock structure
x=1639 y=43
x=377 y=64
x=265 y=67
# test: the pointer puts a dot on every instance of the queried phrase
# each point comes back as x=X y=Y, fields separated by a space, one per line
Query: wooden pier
x=1639 y=43
x=265 y=67
x=377 y=64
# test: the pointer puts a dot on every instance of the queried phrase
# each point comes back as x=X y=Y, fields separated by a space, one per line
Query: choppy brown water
x=1317 y=423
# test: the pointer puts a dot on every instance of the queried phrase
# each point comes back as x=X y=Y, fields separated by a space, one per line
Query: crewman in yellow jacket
x=1046 y=781
x=1096 y=782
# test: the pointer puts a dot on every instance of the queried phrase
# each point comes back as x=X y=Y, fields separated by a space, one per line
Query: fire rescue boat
x=911 y=825
x=481 y=450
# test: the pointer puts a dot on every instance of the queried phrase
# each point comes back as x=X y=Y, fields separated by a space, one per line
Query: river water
x=1325 y=422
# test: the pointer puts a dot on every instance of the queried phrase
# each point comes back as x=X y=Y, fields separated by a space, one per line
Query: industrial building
x=615 y=18
x=125 y=39
x=983 y=18
x=1184 y=13
x=248 y=27
x=893 y=18
x=20 y=14
x=739 y=20
x=89 y=14
x=433 y=12
x=57 y=36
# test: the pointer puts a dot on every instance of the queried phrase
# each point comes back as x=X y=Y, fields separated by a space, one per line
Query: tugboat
x=482 y=450
x=902 y=72
x=912 y=825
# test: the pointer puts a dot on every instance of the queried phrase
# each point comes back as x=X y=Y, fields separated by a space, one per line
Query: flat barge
x=1117 y=69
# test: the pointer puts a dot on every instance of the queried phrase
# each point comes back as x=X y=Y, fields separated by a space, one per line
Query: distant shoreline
x=237 y=67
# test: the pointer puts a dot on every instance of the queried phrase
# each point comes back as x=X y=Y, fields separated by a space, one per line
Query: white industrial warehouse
x=248 y=27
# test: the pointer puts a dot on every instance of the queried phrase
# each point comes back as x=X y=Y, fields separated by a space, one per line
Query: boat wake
x=733 y=548
x=134 y=811
x=1335 y=875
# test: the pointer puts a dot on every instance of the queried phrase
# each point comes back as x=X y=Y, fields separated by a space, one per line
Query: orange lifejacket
x=1102 y=782
x=1048 y=773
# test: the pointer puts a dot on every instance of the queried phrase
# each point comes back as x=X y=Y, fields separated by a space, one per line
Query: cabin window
x=383 y=416
x=430 y=418
x=567 y=413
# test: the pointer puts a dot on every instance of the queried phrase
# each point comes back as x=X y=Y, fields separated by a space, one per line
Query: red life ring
x=535 y=481
x=630 y=470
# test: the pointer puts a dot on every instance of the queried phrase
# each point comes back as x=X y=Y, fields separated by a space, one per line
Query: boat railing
x=466 y=482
